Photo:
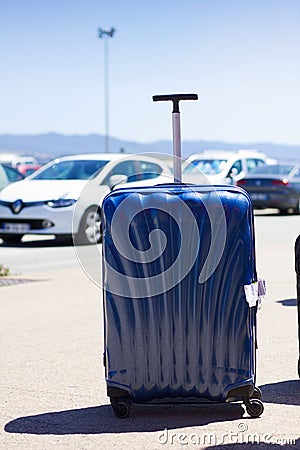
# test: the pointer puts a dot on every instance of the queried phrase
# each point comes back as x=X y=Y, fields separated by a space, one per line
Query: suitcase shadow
x=100 y=419
x=282 y=393
x=288 y=302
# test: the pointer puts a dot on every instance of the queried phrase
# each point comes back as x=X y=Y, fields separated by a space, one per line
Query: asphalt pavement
x=53 y=392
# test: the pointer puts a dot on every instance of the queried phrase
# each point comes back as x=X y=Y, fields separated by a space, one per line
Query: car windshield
x=207 y=166
x=70 y=170
x=274 y=169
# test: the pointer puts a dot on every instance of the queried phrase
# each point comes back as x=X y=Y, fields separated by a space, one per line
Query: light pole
x=104 y=34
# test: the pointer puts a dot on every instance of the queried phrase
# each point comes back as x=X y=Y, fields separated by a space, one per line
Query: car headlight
x=61 y=203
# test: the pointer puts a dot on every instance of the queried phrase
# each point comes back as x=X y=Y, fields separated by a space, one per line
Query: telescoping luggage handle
x=175 y=98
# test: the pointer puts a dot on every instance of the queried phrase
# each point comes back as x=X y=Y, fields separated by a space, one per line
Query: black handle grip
x=175 y=98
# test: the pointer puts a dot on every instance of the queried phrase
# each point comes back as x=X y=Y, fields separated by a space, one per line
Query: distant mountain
x=48 y=146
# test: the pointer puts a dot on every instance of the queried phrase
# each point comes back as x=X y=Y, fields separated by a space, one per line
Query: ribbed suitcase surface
x=175 y=262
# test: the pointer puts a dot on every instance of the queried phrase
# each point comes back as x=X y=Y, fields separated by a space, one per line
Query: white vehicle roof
x=226 y=154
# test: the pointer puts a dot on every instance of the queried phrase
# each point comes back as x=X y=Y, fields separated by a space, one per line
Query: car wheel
x=11 y=238
x=90 y=228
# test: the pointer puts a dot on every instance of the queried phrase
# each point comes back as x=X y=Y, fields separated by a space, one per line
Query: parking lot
x=53 y=392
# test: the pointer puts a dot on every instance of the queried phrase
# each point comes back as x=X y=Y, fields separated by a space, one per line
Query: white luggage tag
x=255 y=292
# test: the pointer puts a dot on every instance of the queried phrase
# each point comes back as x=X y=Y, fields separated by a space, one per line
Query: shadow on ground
x=283 y=392
x=100 y=419
x=148 y=418
x=288 y=302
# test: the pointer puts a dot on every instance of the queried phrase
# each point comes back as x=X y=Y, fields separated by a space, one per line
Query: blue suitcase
x=180 y=296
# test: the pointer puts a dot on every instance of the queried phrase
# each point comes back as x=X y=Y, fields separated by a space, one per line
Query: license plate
x=16 y=227
x=259 y=196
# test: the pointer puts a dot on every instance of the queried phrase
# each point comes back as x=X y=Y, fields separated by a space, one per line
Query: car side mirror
x=114 y=180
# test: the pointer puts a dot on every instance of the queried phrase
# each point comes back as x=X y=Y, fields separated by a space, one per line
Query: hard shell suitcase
x=180 y=294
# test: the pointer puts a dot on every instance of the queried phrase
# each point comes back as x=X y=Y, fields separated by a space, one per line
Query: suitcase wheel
x=121 y=406
x=254 y=407
x=256 y=393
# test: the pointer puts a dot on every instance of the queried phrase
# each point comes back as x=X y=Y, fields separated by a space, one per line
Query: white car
x=64 y=197
x=221 y=166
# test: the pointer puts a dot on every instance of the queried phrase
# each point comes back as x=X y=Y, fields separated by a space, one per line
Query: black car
x=274 y=186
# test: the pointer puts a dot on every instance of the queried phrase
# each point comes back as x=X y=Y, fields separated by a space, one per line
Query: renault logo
x=17 y=206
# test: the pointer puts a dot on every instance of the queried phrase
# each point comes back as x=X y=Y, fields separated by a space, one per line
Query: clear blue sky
x=242 y=57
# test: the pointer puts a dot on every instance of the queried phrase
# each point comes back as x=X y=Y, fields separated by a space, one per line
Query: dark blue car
x=274 y=186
